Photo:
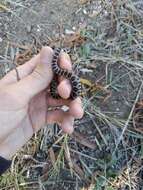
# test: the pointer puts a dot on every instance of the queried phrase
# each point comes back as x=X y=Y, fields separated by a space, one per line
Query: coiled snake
x=74 y=80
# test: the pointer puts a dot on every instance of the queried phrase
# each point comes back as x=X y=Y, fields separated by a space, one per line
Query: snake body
x=58 y=71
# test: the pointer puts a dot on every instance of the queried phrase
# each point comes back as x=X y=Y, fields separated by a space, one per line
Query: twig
x=129 y=118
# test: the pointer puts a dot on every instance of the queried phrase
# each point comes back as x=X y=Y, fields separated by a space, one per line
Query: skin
x=24 y=104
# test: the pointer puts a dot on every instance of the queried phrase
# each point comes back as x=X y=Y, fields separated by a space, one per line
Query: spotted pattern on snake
x=58 y=71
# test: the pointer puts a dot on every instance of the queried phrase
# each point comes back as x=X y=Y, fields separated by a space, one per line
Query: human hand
x=24 y=104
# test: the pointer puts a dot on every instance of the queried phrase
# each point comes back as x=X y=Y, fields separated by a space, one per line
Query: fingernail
x=66 y=61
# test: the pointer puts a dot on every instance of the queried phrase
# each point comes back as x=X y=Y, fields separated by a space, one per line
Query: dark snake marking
x=75 y=81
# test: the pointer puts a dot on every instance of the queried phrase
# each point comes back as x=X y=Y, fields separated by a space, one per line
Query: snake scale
x=58 y=71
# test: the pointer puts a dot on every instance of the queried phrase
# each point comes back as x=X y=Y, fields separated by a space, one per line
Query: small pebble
x=74 y=28
x=85 y=70
x=28 y=28
x=83 y=1
x=105 y=13
x=57 y=35
x=62 y=35
x=69 y=32
x=1 y=39
x=117 y=109
x=38 y=28
x=84 y=11
x=93 y=14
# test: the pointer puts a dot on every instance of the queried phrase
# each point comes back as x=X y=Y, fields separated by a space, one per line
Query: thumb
x=39 y=79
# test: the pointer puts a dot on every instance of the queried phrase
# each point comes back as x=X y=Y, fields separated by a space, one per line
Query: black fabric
x=4 y=165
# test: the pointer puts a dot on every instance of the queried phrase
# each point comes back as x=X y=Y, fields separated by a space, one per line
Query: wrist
x=16 y=140
x=5 y=152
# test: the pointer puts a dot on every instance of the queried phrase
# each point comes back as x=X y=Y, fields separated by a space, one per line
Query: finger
x=23 y=71
x=75 y=106
x=76 y=109
x=57 y=102
x=16 y=139
x=65 y=61
x=39 y=79
x=65 y=120
x=64 y=88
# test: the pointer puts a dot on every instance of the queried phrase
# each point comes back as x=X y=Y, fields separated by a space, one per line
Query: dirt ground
x=106 y=42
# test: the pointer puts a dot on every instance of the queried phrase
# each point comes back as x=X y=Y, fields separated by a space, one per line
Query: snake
x=70 y=75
